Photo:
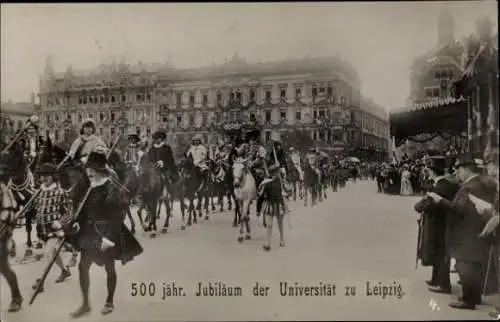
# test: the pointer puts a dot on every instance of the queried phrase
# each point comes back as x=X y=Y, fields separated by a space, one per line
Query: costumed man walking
x=101 y=237
x=86 y=143
x=434 y=224
x=162 y=156
x=199 y=154
x=51 y=205
x=295 y=157
x=8 y=208
x=466 y=224
x=271 y=190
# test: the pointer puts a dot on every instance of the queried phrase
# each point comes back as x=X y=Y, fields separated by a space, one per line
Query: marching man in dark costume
x=102 y=237
x=271 y=190
x=161 y=154
x=433 y=250
x=51 y=205
x=8 y=207
x=466 y=224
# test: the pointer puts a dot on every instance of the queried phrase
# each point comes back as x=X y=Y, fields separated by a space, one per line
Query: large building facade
x=317 y=96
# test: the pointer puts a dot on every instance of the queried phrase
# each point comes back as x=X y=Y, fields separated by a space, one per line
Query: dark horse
x=22 y=184
x=311 y=184
x=191 y=186
x=152 y=190
x=222 y=183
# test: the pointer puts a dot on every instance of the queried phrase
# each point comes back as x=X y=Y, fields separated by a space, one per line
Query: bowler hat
x=97 y=161
x=47 y=169
x=466 y=160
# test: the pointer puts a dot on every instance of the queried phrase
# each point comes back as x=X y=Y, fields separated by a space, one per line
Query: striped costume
x=51 y=205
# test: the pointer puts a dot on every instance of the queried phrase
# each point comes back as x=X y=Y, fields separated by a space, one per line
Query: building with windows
x=13 y=116
x=316 y=96
x=433 y=73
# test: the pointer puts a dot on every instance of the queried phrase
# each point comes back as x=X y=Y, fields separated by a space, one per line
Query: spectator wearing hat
x=162 y=156
x=86 y=143
x=52 y=207
x=271 y=190
x=466 y=223
x=102 y=237
x=433 y=252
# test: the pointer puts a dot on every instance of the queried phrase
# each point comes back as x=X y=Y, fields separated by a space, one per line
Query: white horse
x=245 y=191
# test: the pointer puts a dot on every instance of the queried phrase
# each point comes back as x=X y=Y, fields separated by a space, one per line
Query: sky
x=380 y=39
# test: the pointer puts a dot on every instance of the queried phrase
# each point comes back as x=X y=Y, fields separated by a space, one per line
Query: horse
x=293 y=178
x=311 y=184
x=22 y=184
x=222 y=182
x=245 y=192
x=190 y=186
x=150 y=190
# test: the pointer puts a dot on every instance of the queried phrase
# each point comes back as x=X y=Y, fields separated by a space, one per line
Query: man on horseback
x=86 y=143
x=132 y=152
x=162 y=156
x=199 y=153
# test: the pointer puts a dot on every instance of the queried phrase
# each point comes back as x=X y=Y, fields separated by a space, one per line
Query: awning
x=448 y=115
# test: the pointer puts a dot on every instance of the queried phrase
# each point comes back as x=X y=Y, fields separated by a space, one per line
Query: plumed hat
x=159 y=135
x=47 y=169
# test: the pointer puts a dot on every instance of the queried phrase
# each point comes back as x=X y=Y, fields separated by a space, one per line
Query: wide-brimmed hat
x=159 y=135
x=88 y=122
x=47 y=169
x=134 y=138
x=196 y=137
x=97 y=161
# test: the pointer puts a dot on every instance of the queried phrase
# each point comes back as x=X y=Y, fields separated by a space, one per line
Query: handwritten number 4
x=434 y=305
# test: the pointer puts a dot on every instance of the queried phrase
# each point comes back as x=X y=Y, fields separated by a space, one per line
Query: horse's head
x=240 y=168
x=14 y=161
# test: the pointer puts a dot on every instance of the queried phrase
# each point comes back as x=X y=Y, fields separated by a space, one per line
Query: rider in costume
x=199 y=154
x=86 y=143
x=162 y=156
x=31 y=145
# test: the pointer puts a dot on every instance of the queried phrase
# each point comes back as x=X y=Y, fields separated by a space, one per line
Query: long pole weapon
x=57 y=252
x=282 y=189
x=32 y=120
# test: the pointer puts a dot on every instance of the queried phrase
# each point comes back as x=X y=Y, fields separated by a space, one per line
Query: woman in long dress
x=406 y=188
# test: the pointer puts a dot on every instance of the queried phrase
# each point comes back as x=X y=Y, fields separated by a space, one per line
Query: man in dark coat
x=433 y=250
x=465 y=225
x=102 y=237
x=162 y=156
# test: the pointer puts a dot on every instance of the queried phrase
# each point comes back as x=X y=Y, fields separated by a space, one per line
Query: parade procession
x=250 y=190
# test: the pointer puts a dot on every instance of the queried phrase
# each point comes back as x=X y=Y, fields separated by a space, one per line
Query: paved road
x=353 y=238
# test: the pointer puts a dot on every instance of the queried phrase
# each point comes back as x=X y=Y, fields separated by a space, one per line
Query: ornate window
x=178 y=99
x=298 y=92
x=179 y=120
x=314 y=92
x=113 y=98
x=112 y=116
x=101 y=116
x=219 y=97
x=205 y=99
x=148 y=97
x=124 y=98
x=138 y=130
x=268 y=116
x=283 y=93
x=252 y=95
x=164 y=118
x=298 y=115
x=191 y=119
x=268 y=95
x=283 y=116
x=191 y=99
x=329 y=91
x=148 y=131
x=238 y=96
